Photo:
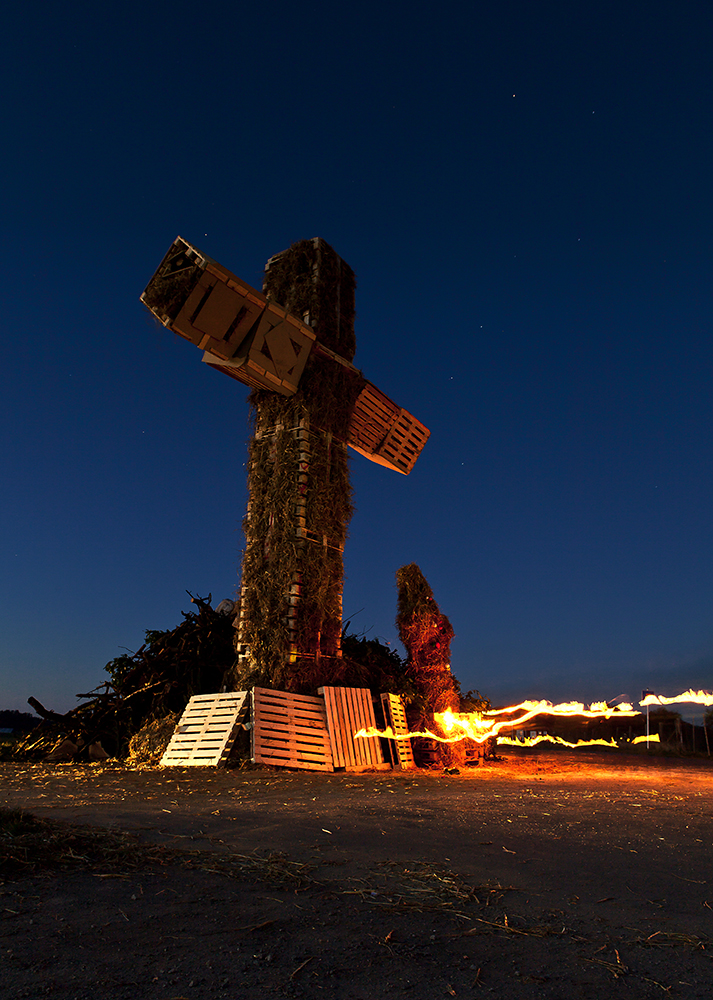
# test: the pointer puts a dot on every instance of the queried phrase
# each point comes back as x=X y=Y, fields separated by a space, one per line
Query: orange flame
x=532 y=741
x=691 y=696
x=389 y=734
x=475 y=726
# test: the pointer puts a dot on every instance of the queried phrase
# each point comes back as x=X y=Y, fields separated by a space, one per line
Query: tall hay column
x=290 y=613
x=426 y=635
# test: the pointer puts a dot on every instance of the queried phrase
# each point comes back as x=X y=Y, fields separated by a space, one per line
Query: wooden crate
x=176 y=276
x=384 y=432
x=272 y=356
x=395 y=716
x=290 y=730
x=348 y=711
x=256 y=342
x=206 y=731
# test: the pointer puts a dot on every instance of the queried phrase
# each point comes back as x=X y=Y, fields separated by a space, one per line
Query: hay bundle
x=146 y=747
x=426 y=634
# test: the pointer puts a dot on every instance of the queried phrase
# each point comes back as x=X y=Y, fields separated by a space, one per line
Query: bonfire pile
x=134 y=713
x=145 y=688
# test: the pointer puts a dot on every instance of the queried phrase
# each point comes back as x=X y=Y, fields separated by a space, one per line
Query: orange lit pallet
x=206 y=731
x=348 y=711
x=384 y=432
x=395 y=716
x=373 y=414
x=290 y=730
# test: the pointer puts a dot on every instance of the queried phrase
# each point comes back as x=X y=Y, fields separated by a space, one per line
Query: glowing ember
x=690 y=696
x=652 y=738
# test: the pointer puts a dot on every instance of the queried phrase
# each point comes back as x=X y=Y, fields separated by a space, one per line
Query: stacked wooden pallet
x=395 y=715
x=291 y=730
x=252 y=340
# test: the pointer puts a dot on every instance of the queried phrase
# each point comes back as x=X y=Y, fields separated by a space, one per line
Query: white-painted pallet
x=206 y=731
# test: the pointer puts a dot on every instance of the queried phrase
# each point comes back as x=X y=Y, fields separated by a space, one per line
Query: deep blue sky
x=524 y=192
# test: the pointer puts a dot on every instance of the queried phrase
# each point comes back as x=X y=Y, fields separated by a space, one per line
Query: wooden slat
x=206 y=731
x=290 y=730
x=336 y=730
x=395 y=716
x=384 y=433
x=404 y=442
x=348 y=711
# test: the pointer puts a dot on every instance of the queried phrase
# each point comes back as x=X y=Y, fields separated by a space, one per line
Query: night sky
x=524 y=191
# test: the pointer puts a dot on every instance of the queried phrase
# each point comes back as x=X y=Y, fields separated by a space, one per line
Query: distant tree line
x=19 y=722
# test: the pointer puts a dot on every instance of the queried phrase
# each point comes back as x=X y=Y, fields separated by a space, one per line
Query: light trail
x=690 y=697
x=482 y=726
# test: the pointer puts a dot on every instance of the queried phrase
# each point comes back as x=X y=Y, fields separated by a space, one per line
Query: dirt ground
x=547 y=874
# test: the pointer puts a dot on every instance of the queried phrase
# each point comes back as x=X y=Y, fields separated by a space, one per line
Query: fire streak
x=532 y=741
x=480 y=727
x=475 y=726
x=690 y=696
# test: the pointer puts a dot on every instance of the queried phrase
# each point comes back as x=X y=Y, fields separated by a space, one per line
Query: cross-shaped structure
x=293 y=344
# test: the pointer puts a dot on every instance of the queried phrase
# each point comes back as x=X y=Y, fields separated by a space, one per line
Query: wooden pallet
x=206 y=731
x=272 y=356
x=254 y=341
x=290 y=730
x=348 y=711
x=395 y=716
x=384 y=432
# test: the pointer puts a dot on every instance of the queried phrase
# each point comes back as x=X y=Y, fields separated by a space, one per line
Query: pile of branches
x=146 y=686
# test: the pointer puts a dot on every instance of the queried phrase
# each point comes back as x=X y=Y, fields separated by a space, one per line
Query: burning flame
x=532 y=741
x=691 y=696
x=478 y=727
x=389 y=734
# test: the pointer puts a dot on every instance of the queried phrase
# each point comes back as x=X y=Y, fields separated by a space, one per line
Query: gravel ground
x=547 y=874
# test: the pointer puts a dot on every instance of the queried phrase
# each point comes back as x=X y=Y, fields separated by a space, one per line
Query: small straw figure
x=427 y=634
